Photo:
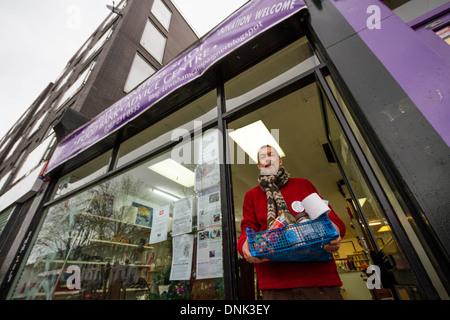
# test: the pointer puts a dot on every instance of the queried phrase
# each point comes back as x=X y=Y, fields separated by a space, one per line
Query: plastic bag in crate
x=297 y=242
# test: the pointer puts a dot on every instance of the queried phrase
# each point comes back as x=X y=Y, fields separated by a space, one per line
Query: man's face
x=269 y=161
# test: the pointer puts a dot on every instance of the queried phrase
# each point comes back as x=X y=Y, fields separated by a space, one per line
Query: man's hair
x=267 y=146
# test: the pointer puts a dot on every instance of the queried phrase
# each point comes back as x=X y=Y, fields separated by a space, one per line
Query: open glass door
x=375 y=211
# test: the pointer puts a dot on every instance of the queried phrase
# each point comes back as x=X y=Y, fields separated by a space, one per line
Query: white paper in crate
x=315 y=206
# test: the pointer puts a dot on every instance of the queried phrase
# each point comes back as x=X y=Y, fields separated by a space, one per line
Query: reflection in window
x=140 y=235
x=153 y=41
x=275 y=70
x=140 y=70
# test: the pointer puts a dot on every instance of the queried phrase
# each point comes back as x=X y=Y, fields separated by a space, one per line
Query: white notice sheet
x=209 y=253
x=160 y=224
x=182 y=216
x=183 y=247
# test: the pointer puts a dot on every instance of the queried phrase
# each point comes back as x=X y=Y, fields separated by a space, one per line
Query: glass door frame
x=420 y=273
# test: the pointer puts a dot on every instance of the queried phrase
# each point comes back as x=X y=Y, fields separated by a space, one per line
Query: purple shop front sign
x=251 y=20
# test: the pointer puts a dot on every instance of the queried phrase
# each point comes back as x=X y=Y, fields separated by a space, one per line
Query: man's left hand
x=334 y=245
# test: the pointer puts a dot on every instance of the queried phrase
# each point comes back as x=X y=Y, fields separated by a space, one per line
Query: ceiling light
x=165 y=194
x=252 y=137
x=174 y=171
x=374 y=223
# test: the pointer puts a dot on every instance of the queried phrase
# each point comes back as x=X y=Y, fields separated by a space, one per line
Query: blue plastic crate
x=296 y=242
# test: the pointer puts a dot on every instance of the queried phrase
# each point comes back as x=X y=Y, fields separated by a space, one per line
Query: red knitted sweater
x=283 y=275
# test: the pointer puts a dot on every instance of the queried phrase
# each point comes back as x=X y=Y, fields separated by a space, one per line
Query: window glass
x=98 y=44
x=275 y=70
x=140 y=70
x=153 y=41
x=4 y=143
x=63 y=81
x=37 y=124
x=4 y=179
x=145 y=234
x=13 y=148
x=85 y=45
x=170 y=128
x=4 y=216
x=88 y=172
x=34 y=158
x=76 y=86
x=162 y=13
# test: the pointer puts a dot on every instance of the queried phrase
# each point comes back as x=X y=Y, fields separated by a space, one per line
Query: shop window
x=140 y=70
x=144 y=234
x=162 y=13
x=88 y=172
x=286 y=64
x=190 y=117
x=153 y=41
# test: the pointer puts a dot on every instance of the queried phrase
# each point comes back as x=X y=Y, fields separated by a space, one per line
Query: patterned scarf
x=275 y=202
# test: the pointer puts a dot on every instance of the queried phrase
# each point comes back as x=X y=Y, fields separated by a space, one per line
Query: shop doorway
x=315 y=148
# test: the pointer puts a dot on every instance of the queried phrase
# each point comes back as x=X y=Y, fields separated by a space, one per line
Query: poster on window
x=208 y=205
x=160 y=224
x=183 y=248
x=209 y=253
x=144 y=214
x=182 y=216
x=207 y=175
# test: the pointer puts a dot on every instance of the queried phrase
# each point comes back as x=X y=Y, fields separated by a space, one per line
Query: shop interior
x=298 y=123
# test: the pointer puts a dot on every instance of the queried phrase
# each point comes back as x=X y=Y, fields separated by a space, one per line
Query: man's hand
x=248 y=255
x=334 y=245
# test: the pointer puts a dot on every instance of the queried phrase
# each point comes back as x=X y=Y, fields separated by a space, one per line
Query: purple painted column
x=417 y=68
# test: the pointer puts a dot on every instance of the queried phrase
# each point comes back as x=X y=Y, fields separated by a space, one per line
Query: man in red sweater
x=275 y=194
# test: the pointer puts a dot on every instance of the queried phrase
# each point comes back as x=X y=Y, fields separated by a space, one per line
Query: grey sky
x=38 y=38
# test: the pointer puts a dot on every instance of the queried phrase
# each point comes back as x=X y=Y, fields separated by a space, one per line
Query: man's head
x=268 y=160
